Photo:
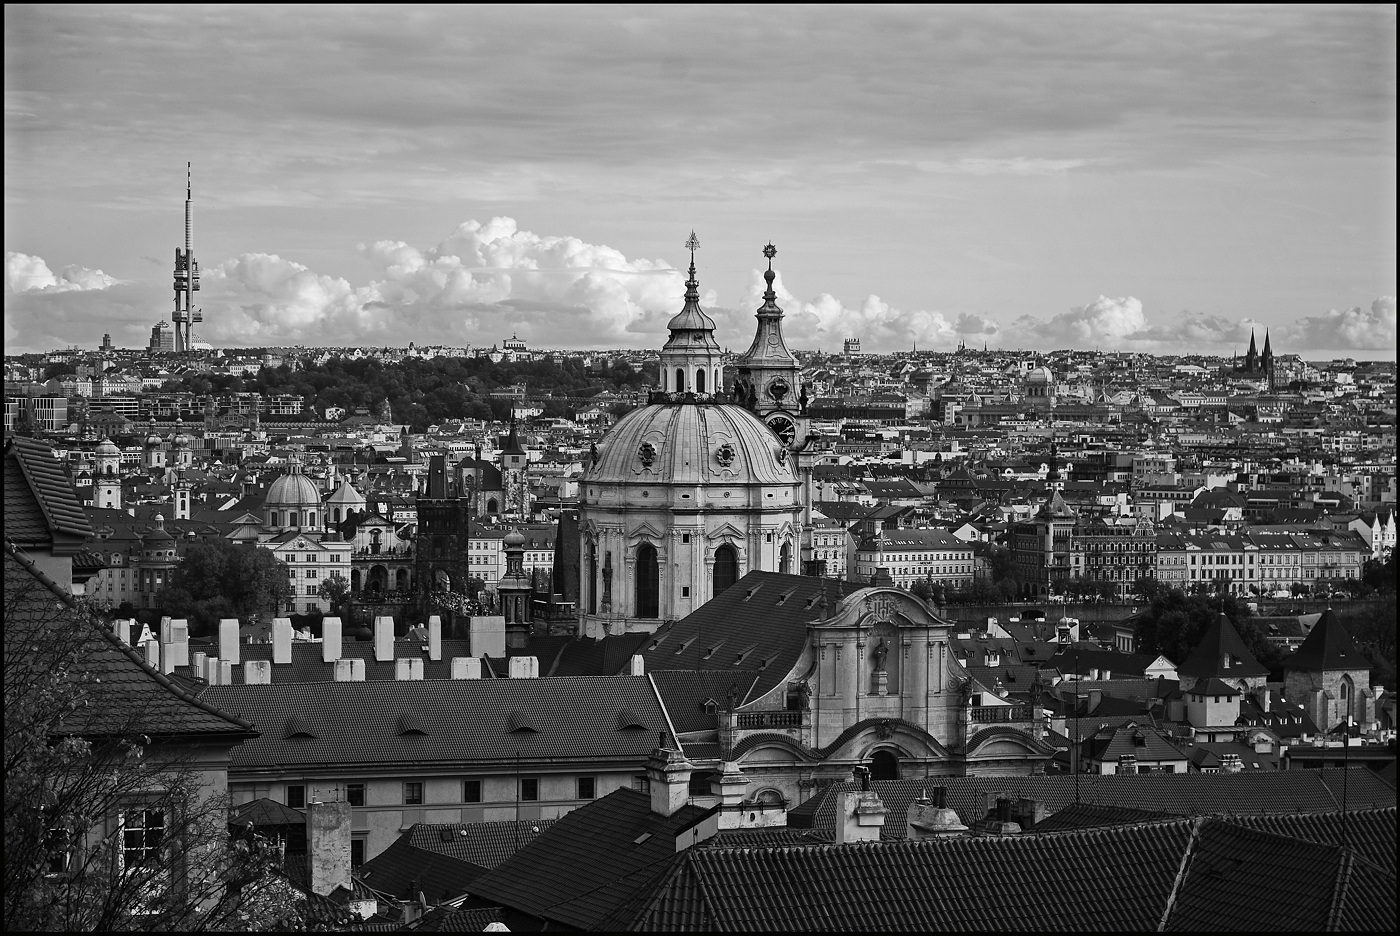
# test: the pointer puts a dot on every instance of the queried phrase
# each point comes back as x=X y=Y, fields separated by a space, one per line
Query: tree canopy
x=222 y=579
x=1175 y=622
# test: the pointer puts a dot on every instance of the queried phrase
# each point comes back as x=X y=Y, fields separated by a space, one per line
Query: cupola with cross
x=691 y=360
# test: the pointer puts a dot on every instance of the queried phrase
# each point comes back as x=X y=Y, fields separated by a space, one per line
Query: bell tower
x=767 y=377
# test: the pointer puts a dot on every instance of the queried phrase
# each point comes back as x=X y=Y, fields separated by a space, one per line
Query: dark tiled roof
x=263 y=812
x=1220 y=639
x=591 y=862
x=1174 y=874
x=1371 y=833
x=404 y=871
x=685 y=692
x=467 y=720
x=455 y=920
x=485 y=844
x=1328 y=647
x=124 y=694
x=764 y=613
x=1095 y=816
x=40 y=502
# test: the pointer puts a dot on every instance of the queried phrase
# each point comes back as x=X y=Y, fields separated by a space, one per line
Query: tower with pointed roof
x=1266 y=360
x=1330 y=677
x=515 y=463
x=691 y=360
x=767 y=377
x=514 y=590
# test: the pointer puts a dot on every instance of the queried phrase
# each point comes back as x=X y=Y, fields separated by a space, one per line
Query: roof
x=485 y=844
x=307 y=666
x=40 y=501
x=123 y=693
x=721 y=634
x=403 y=870
x=1220 y=641
x=1328 y=647
x=1190 y=794
x=591 y=862
x=1193 y=874
x=465 y=721
x=264 y=812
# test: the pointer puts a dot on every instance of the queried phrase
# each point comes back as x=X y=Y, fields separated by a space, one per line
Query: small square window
x=587 y=788
x=685 y=591
x=413 y=793
x=529 y=789
x=355 y=794
x=471 y=791
x=641 y=784
x=685 y=537
x=296 y=796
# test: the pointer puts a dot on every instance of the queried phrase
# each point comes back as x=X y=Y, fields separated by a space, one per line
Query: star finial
x=770 y=252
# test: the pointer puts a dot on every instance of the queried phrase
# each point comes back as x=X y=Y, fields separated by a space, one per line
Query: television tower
x=186 y=280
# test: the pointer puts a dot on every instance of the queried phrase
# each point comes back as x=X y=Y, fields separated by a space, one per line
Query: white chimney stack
x=860 y=817
x=637 y=667
x=211 y=670
x=197 y=663
x=330 y=639
x=434 y=637
x=383 y=638
x=350 y=670
x=524 y=667
x=180 y=642
x=669 y=774
x=281 y=640
x=406 y=668
x=257 y=673
x=466 y=668
x=228 y=639
x=152 y=651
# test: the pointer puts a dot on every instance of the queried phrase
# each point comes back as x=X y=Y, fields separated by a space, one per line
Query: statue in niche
x=882 y=650
x=606 y=604
x=593 y=453
x=804 y=696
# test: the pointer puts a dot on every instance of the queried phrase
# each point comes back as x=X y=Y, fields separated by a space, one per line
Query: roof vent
x=711 y=652
x=752 y=591
x=743 y=653
x=629 y=719
x=409 y=723
x=641 y=838
x=299 y=727
x=519 y=721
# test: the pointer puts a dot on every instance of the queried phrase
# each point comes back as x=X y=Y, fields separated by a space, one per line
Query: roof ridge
x=1192 y=843
x=1339 y=891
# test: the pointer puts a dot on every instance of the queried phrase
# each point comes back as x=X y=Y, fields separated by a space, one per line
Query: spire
x=770 y=298
x=692 y=317
x=1268 y=352
x=692 y=285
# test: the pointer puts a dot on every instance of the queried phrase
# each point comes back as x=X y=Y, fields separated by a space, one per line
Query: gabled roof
x=405 y=871
x=1328 y=647
x=1221 y=642
x=764 y=613
x=41 y=505
x=124 y=694
x=573 y=719
x=591 y=862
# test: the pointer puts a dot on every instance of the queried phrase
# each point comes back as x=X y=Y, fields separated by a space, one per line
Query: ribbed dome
x=514 y=540
x=107 y=449
x=294 y=490
x=691 y=443
x=1040 y=375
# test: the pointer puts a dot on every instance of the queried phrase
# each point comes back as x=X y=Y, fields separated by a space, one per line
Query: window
x=529 y=789
x=685 y=537
x=641 y=784
x=296 y=796
x=413 y=793
x=471 y=791
x=685 y=591
x=335 y=557
x=357 y=851
x=587 y=788
x=355 y=794
x=142 y=832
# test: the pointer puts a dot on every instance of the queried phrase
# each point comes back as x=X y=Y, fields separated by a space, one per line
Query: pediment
x=647 y=531
x=727 y=531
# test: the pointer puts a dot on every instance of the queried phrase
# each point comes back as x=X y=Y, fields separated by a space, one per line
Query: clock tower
x=767 y=378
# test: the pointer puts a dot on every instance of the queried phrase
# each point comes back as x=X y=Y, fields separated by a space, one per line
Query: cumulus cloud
x=484 y=279
x=1123 y=324
x=1356 y=328
x=25 y=273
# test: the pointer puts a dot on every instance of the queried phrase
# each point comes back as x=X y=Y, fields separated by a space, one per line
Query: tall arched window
x=884 y=765
x=785 y=559
x=726 y=568
x=700 y=381
x=680 y=380
x=593 y=580
x=648 y=582
x=1348 y=693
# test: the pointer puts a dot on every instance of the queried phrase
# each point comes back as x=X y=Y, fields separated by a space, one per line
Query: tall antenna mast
x=186 y=276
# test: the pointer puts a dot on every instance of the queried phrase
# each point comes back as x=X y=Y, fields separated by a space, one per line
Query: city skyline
x=1127 y=179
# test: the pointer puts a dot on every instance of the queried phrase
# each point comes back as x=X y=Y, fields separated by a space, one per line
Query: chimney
x=281 y=640
x=526 y=668
x=350 y=670
x=466 y=668
x=228 y=639
x=197 y=663
x=331 y=636
x=257 y=673
x=151 y=649
x=225 y=673
x=1027 y=812
x=729 y=787
x=929 y=817
x=434 y=637
x=998 y=821
x=669 y=774
x=636 y=667
x=1094 y=697
x=383 y=638
x=860 y=818
x=211 y=671
x=328 y=845
x=488 y=635
x=407 y=668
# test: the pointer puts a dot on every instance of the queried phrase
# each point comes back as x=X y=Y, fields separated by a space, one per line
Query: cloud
x=483 y=281
x=25 y=273
x=1355 y=329
x=1123 y=324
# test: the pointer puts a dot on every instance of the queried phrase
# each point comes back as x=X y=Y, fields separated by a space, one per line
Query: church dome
x=1039 y=376
x=514 y=540
x=107 y=449
x=691 y=444
x=293 y=491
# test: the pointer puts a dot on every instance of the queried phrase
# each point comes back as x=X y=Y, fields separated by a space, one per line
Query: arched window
x=491 y=506
x=294 y=518
x=1348 y=695
x=785 y=559
x=884 y=765
x=336 y=515
x=276 y=519
x=726 y=568
x=648 y=582
x=680 y=380
x=593 y=579
x=700 y=381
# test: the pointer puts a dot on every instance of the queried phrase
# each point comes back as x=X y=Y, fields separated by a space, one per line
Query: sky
x=1148 y=178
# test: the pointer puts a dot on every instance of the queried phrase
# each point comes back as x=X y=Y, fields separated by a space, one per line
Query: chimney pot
x=466 y=668
x=281 y=640
x=435 y=637
x=638 y=667
x=331 y=637
x=228 y=639
x=383 y=638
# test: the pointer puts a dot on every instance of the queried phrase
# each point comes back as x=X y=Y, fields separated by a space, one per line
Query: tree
x=1175 y=622
x=109 y=820
x=221 y=579
x=336 y=593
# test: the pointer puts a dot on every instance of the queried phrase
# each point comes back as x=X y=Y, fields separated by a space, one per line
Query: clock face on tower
x=783 y=427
